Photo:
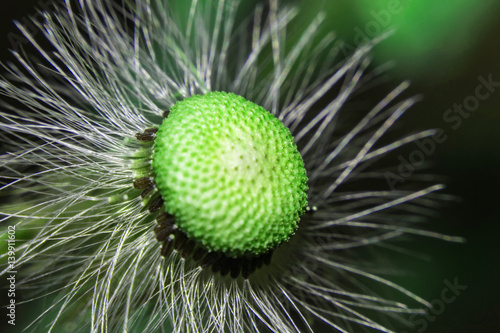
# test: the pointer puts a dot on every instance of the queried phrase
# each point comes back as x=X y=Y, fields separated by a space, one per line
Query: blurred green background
x=442 y=47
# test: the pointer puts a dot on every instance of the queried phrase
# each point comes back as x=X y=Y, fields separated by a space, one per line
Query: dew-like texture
x=230 y=173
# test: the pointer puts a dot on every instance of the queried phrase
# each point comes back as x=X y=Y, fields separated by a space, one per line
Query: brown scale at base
x=147 y=185
x=148 y=135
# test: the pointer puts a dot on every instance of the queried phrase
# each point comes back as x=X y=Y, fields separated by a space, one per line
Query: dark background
x=469 y=158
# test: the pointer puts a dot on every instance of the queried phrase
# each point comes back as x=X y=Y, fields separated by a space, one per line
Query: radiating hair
x=87 y=240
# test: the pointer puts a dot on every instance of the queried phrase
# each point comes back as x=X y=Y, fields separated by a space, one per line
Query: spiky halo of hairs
x=112 y=72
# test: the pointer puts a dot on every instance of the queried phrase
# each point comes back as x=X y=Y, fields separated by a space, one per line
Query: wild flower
x=80 y=186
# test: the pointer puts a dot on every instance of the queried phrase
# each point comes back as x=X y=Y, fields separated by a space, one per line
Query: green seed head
x=230 y=173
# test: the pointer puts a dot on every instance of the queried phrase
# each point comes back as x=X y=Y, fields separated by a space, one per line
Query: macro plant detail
x=128 y=134
x=231 y=180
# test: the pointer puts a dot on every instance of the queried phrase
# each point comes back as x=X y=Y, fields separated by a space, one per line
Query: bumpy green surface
x=230 y=173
